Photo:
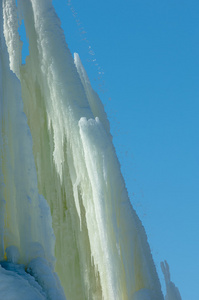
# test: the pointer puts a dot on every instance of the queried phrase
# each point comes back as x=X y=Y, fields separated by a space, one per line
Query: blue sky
x=149 y=54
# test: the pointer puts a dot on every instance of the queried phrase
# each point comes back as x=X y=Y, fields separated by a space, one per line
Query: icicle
x=172 y=291
x=58 y=168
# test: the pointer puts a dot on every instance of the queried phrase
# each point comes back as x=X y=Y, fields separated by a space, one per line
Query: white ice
x=63 y=200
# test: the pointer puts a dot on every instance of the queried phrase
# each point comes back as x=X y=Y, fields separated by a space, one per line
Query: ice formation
x=63 y=202
x=172 y=291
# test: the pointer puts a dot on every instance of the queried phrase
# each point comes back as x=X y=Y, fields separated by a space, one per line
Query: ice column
x=101 y=247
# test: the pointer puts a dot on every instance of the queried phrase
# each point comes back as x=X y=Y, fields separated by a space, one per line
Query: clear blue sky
x=149 y=53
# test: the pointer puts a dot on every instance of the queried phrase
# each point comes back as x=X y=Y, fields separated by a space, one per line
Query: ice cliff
x=64 y=206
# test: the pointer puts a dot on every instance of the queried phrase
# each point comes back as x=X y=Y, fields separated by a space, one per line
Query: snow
x=35 y=281
x=65 y=216
x=16 y=287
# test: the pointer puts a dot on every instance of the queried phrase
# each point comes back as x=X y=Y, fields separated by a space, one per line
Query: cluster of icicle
x=63 y=201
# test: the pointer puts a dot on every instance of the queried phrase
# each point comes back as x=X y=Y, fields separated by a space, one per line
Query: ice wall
x=101 y=248
x=26 y=235
x=25 y=214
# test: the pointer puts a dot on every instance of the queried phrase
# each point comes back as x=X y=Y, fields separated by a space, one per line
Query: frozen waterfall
x=65 y=216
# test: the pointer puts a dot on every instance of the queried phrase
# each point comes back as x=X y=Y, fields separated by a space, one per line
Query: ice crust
x=15 y=286
x=63 y=200
x=34 y=282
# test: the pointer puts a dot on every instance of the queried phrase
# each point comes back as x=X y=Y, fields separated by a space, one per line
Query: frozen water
x=65 y=215
x=172 y=291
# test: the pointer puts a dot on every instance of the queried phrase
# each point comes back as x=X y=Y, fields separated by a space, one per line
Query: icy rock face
x=59 y=172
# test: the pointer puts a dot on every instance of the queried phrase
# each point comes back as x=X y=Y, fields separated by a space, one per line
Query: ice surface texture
x=62 y=192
